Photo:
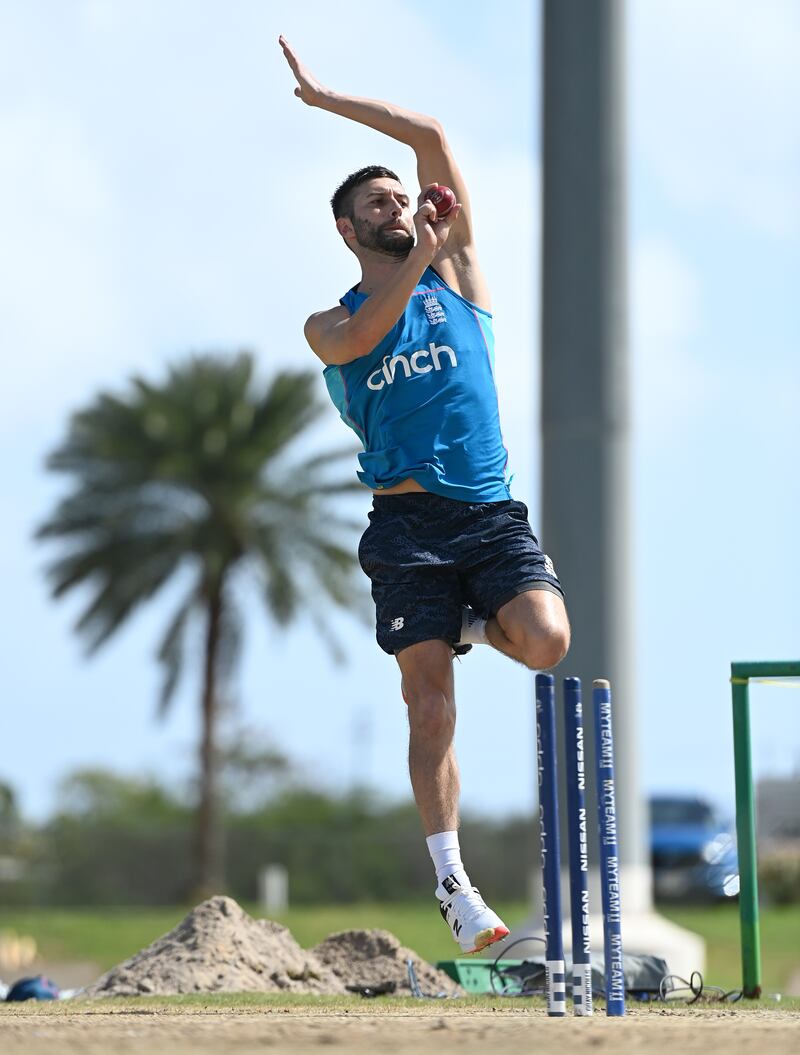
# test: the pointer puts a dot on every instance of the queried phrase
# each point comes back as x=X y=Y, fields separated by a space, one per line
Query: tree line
x=119 y=840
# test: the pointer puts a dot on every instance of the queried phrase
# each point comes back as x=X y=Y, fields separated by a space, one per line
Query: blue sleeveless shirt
x=423 y=402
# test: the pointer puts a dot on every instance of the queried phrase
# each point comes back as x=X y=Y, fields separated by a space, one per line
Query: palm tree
x=200 y=476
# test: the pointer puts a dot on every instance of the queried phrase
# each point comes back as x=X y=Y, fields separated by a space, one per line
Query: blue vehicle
x=693 y=853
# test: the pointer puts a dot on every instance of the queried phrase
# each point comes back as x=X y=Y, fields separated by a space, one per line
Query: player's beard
x=392 y=243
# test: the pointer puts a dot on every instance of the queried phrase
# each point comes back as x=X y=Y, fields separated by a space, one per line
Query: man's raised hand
x=309 y=89
x=432 y=233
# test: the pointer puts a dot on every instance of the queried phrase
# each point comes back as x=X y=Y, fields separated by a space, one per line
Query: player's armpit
x=335 y=337
x=460 y=269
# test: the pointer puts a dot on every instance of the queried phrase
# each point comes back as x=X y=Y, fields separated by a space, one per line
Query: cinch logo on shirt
x=412 y=364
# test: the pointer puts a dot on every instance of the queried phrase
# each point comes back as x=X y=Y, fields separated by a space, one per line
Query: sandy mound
x=219 y=948
x=370 y=957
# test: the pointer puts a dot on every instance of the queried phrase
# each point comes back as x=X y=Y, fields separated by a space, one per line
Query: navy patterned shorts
x=427 y=556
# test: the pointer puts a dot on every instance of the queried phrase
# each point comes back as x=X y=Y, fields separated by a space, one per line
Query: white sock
x=473 y=629
x=446 y=855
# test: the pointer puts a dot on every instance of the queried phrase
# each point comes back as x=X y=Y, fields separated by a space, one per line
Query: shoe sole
x=487 y=937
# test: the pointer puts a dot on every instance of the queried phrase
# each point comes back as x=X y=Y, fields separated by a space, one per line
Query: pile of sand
x=218 y=948
x=370 y=957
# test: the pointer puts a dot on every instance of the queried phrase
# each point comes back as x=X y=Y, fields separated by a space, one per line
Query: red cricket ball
x=443 y=198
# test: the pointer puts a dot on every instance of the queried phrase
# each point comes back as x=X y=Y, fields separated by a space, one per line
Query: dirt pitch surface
x=401 y=1030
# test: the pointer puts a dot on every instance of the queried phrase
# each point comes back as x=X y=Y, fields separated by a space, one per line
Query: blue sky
x=161 y=191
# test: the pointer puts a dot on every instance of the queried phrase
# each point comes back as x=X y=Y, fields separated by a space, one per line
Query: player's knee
x=545 y=646
x=431 y=712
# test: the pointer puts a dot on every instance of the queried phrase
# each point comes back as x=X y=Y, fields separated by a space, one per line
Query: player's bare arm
x=457 y=259
x=338 y=337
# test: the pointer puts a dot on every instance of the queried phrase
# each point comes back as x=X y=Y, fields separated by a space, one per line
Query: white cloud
x=505 y=191
x=60 y=299
x=670 y=383
x=715 y=105
x=691 y=377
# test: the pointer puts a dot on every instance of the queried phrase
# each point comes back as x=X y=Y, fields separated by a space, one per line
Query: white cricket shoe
x=472 y=922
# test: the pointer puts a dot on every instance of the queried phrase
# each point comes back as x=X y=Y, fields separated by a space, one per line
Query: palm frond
x=320 y=461
x=282 y=593
x=329 y=639
x=170 y=652
x=288 y=408
x=118 y=596
x=229 y=649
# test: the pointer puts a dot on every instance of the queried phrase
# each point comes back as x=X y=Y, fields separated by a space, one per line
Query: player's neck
x=376 y=270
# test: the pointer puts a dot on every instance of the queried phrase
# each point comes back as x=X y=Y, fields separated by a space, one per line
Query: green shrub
x=779 y=874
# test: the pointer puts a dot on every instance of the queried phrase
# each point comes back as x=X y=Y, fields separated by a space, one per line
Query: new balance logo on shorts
x=397 y=624
x=549 y=567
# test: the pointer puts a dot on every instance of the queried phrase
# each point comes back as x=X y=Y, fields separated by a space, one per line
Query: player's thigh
x=506 y=561
x=415 y=586
x=537 y=614
x=415 y=607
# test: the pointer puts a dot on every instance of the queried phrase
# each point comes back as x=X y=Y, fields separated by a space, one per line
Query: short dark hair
x=342 y=200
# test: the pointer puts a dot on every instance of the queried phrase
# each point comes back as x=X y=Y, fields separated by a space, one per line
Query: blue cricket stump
x=555 y=972
x=578 y=848
x=609 y=854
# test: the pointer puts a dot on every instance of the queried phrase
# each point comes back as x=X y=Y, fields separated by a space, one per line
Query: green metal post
x=746 y=837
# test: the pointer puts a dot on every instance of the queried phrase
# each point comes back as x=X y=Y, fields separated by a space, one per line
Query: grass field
x=108 y=936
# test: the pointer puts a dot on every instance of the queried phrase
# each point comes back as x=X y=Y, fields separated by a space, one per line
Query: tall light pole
x=585 y=411
x=584 y=393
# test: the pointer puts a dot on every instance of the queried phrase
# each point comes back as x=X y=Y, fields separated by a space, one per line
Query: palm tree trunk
x=209 y=866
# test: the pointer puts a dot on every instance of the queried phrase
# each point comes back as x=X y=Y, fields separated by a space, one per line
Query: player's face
x=382 y=217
